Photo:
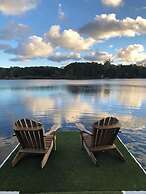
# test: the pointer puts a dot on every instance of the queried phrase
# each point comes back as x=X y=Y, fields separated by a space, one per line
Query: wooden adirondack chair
x=32 y=139
x=101 y=138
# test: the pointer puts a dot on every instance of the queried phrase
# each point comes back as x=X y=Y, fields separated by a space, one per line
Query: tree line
x=76 y=70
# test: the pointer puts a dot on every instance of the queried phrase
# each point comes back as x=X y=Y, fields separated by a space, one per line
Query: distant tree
x=107 y=62
x=82 y=70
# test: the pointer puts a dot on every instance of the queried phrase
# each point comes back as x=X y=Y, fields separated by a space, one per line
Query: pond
x=70 y=101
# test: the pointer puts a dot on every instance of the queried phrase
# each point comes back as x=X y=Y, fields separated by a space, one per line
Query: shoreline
x=51 y=78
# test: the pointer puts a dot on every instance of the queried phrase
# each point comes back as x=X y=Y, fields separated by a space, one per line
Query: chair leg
x=81 y=140
x=17 y=158
x=46 y=156
x=91 y=155
x=120 y=155
x=55 y=142
x=93 y=158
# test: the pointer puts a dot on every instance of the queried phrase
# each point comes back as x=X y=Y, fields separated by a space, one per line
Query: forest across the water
x=76 y=70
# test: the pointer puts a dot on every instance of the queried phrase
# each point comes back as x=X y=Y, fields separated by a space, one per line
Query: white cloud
x=135 y=97
x=59 y=57
x=16 y=7
x=68 y=39
x=141 y=8
x=14 y=31
x=98 y=56
x=111 y=46
x=4 y=46
x=42 y=47
x=33 y=47
x=61 y=13
x=143 y=62
x=132 y=54
x=107 y=26
x=144 y=7
x=112 y=3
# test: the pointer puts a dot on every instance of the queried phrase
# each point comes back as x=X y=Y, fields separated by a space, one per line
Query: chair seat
x=88 y=141
x=47 y=141
x=103 y=148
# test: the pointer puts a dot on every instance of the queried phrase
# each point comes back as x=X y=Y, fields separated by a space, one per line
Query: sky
x=58 y=32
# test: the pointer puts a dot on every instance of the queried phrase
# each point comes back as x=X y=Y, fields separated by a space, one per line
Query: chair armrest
x=114 y=126
x=83 y=129
x=53 y=129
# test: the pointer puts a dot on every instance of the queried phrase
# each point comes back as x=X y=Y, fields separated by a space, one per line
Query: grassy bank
x=70 y=170
x=86 y=192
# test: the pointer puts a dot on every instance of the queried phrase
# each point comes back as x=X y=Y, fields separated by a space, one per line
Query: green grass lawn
x=71 y=170
x=86 y=192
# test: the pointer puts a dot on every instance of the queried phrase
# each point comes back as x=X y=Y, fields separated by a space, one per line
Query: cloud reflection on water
x=66 y=102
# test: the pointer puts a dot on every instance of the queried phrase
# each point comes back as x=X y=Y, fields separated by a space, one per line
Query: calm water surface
x=67 y=102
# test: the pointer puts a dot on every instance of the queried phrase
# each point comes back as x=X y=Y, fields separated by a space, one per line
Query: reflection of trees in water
x=106 y=91
x=89 y=89
x=31 y=88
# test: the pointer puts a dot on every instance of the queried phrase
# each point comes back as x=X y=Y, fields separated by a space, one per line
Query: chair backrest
x=29 y=133
x=105 y=131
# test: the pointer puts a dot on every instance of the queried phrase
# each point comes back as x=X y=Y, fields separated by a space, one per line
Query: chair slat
x=28 y=123
x=28 y=139
x=20 y=138
x=106 y=131
x=30 y=133
x=19 y=124
x=31 y=140
x=23 y=123
x=41 y=142
x=25 y=138
x=35 y=139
